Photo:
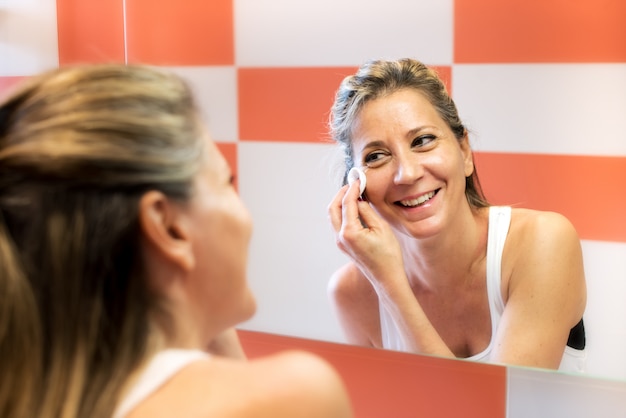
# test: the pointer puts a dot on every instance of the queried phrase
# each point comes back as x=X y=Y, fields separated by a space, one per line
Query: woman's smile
x=418 y=201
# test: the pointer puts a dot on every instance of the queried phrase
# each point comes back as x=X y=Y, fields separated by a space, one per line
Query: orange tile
x=171 y=32
x=8 y=83
x=588 y=190
x=90 y=32
x=229 y=151
x=384 y=383
x=286 y=104
x=445 y=73
x=291 y=104
x=492 y=31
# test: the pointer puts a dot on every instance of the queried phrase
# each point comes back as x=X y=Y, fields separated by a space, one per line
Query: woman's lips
x=418 y=201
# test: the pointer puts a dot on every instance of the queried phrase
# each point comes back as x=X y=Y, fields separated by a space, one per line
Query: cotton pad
x=357 y=173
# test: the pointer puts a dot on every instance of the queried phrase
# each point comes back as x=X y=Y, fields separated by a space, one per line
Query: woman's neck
x=450 y=257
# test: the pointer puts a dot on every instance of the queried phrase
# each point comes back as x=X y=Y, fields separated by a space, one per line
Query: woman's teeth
x=419 y=201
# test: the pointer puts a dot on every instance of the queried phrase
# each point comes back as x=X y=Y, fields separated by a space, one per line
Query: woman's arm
x=376 y=253
x=546 y=290
x=356 y=306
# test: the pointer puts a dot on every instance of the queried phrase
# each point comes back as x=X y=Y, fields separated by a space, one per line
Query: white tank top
x=499 y=221
x=161 y=368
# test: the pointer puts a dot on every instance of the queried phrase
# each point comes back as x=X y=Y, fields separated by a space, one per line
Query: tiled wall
x=392 y=384
x=541 y=84
x=389 y=384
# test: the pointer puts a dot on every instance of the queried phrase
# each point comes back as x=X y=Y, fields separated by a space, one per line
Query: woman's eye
x=373 y=157
x=422 y=141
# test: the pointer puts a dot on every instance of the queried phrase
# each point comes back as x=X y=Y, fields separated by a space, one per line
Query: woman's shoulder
x=288 y=384
x=533 y=227
x=542 y=244
x=348 y=280
x=349 y=288
x=356 y=305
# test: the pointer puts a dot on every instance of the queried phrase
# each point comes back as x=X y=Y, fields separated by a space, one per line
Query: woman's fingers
x=344 y=217
x=342 y=210
x=335 y=209
x=368 y=215
x=350 y=210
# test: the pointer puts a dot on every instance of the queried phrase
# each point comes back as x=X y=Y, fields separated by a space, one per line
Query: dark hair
x=379 y=78
x=78 y=148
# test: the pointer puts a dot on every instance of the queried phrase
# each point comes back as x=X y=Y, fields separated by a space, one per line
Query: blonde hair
x=78 y=148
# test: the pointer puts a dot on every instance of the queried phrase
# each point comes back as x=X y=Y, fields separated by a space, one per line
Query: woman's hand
x=365 y=237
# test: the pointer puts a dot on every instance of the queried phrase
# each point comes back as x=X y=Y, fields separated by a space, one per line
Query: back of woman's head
x=379 y=78
x=78 y=148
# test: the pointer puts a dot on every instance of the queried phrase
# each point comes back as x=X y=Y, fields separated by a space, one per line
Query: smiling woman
x=434 y=268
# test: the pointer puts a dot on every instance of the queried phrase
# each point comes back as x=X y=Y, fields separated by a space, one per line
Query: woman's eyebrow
x=374 y=144
x=415 y=131
x=411 y=133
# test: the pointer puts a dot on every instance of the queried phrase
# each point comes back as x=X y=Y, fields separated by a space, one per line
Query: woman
x=123 y=251
x=434 y=269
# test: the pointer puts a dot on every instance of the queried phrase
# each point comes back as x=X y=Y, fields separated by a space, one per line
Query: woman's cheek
x=374 y=192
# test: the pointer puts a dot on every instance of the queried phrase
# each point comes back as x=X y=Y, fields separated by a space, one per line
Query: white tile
x=342 y=32
x=542 y=394
x=287 y=188
x=28 y=37
x=605 y=316
x=544 y=108
x=215 y=89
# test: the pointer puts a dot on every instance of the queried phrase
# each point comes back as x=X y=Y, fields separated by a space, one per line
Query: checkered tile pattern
x=540 y=83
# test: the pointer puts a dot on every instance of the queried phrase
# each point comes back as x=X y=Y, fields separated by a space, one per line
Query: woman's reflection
x=434 y=268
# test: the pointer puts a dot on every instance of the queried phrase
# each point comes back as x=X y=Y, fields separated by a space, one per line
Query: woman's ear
x=468 y=157
x=164 y=228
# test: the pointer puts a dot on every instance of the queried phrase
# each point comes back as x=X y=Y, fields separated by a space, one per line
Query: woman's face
x=415 y=166
x=221 y=232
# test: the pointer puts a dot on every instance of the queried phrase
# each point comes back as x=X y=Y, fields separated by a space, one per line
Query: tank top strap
x=499 y=222
x=161 y=368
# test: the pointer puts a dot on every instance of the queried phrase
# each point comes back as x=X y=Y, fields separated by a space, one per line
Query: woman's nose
x=408 y=169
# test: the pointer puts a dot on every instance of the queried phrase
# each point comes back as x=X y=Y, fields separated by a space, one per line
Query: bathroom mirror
x=543 y=101
x=541 y=86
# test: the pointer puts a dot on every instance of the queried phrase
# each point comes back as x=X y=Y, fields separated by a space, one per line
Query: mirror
x=535 y=102
x=534 y=89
